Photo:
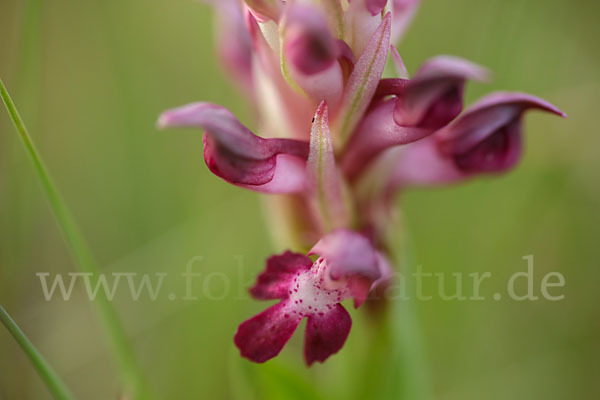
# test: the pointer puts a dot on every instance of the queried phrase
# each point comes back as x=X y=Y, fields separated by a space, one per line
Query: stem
x=414 y=367
x=56 y=386
x=396 y=345
x=127 y=364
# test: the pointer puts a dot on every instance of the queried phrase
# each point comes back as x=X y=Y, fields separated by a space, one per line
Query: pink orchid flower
x=313 y=290
x=340 y=141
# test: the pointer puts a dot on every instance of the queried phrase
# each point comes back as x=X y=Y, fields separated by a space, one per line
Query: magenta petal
x=238 y=156
x=234 y=44
x=421 y=164
x=496 y=153
x=262 y=337
x=487 y=137
x=377 y=132
x=376 y=6
x=326 y=334
x=275 y=281
x=434 y=96
x=308 y=43
x=348 y=253
x=390 y=87
x=310 y=54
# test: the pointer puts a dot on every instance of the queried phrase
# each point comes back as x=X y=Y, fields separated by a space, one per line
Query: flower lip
x=273 y=283
x=347 y=267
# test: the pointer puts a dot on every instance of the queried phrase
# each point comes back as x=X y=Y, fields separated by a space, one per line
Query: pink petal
x=422 y=164
x=403 y=13
x=238 y=156
x=262 y=337
x=310 y=52
x=363 y=81
x=308 y=42
x=276 y=280
x=386 y=273
x=376 y=6
x=435 y=94
x=485 y=139
x=348 y=253
x=264 y=10
x=487 y=116
x=324 y=180
x=233 y=41
x=377 y=132
x=326 y=334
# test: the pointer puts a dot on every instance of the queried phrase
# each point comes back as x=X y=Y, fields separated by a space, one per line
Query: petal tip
x=163 y=122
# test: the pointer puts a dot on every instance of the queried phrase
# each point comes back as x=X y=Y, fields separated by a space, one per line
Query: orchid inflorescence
x=340 y=142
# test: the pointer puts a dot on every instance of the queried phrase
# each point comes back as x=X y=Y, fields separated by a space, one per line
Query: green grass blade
x=129 y=369
x=56 y=386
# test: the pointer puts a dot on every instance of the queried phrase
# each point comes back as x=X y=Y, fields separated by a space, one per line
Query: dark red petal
x=444 y=109
x=326 y=334
x=263 y=336
x=487 y=137
x=390 y=87
x=496 y=153
x=275 y=281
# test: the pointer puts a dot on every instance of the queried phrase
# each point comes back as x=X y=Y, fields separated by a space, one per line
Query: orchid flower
x=347 y=267
x=486 y=139
x=340 y=141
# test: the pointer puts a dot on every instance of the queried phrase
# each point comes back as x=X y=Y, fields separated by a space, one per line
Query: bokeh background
x=90 y=78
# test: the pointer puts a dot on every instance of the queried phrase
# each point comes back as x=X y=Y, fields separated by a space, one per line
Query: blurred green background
x=91 y=77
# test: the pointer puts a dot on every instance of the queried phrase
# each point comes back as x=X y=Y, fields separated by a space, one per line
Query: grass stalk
x=56 y=386
x=126 y=361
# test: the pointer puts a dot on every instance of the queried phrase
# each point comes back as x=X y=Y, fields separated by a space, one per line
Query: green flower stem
x=127 y=364
x=396 y=363
x=414 y=367
x=56 y=386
